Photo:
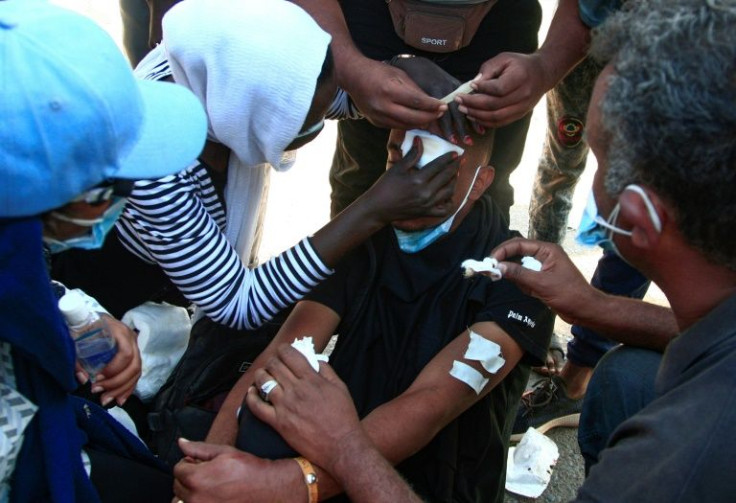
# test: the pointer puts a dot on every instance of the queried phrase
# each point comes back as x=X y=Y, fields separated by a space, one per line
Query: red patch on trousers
x=570 y=131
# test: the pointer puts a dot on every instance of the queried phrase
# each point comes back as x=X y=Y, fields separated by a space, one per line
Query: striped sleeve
x=177 y=222
x=342 y=107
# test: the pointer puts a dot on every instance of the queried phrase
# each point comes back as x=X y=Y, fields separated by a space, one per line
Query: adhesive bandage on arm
x=488 y=353
x=467 y=374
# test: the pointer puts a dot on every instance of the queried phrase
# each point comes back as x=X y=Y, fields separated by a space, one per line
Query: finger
x=445 y=125
x=294 y=361
x=412 y=156
x=202 y=451
x=402 y=117
x=260 y=408
x=441 y=170
x=521 y=276
x=458 y=125
x=81 y=374
x=283 y=375
x=517 y=247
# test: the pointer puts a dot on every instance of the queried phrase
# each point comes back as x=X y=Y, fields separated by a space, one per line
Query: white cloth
x=163 y=335
x=254 y=66
x=529 y=464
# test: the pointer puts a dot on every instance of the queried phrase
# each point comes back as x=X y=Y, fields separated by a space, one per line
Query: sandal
x=555 y=358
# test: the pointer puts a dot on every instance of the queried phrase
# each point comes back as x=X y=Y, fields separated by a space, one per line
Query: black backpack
x=186 y=405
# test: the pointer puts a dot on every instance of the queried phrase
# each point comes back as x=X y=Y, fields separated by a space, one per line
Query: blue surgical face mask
x=99 y=227
x=595 y=230
x=414 y=241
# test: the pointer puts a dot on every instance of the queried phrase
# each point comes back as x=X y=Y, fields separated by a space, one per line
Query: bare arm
x=563 y=288
x=402 y=426
x=307 y=319
x=402 y=192
x=315 y=415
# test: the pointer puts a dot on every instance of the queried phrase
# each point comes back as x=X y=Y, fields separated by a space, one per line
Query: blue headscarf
x=49 y=466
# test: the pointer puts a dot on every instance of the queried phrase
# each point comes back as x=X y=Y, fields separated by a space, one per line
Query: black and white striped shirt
x=178 y=222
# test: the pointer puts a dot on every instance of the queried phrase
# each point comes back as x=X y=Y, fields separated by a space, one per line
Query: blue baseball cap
x=73 y=116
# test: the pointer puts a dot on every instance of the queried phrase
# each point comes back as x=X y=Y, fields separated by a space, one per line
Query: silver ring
x=266 y=388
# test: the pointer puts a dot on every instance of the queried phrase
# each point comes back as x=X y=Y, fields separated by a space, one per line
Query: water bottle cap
x=74 y=308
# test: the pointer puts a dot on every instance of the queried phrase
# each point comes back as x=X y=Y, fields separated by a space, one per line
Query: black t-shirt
x=398 y=311
x=511 y=25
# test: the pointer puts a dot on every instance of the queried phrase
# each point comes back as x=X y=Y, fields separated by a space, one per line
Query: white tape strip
x=462 y=89
x=467 y=374
x=488 y=353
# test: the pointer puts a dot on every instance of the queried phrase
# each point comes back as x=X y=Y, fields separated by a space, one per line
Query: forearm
x=566 y=43
x=629 y=321
x=329 y=16
x=367 y=476
x=350 y=228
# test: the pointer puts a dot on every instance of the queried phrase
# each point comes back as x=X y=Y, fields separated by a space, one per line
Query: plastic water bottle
x=94 y=345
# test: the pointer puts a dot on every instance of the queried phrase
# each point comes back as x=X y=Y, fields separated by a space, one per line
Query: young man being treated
x=435 y=362
x=667 y=157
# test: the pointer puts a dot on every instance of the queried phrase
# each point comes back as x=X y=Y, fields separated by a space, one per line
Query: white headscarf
x=254 y=66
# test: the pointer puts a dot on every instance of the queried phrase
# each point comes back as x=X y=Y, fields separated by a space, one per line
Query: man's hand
x=404 y=191
x=438 y=83
x=510 y=86
x=212 y=472
x=387 y=96
x=312 y=411
x=119 y=377
x=559 y=284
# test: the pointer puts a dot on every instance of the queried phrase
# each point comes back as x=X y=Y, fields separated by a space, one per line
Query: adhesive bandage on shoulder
x=432 y=146
x=488 y=353
x=467 y=374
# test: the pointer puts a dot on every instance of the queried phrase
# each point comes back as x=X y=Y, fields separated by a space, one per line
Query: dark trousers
x=622 y=385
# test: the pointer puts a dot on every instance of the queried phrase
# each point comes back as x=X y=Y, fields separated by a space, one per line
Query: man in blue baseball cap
x=75 y=125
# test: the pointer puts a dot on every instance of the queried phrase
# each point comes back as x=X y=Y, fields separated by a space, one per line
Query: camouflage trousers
x=564 y=154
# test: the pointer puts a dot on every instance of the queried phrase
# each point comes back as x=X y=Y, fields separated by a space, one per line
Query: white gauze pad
x=467 y=374
x=488 y=353
x=433 y=146
x=306 y=347
x=488 y=266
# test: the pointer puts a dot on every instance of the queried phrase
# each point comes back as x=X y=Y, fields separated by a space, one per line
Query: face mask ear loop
x=82 y=222
x=653 y=215
x=610 y=224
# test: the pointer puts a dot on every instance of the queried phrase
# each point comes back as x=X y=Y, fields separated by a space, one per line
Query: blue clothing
x=594 y=12
x=49 y=466
x=680 y=446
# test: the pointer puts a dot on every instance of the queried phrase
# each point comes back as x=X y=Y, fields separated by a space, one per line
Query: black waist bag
x=186 y=405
